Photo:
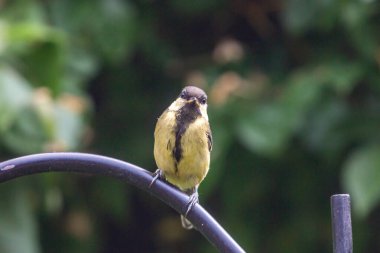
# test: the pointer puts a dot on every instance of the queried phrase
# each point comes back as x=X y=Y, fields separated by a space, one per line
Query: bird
x=182 y=145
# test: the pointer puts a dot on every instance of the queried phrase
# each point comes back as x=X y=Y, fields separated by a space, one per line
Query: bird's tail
x=186 y=223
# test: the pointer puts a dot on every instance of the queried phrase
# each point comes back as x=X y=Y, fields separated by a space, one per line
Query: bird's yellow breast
x=164 y=140
x=193 y=166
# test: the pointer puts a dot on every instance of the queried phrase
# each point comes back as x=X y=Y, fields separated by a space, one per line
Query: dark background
x=293 y=103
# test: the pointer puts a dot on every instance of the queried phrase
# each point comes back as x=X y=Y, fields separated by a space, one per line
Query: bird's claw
x=193 y=199
x=156 y=175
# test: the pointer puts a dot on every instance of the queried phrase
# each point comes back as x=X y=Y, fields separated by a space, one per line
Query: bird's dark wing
x=209 y=139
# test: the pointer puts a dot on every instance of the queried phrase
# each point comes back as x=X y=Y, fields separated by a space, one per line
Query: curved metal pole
x=341 y=223
x=101 y=165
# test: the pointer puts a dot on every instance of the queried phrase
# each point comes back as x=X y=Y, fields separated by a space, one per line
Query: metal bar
x=341 y=223
x=101 y=165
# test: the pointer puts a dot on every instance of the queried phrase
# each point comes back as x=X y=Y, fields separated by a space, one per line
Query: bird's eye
x=203 y=100
x=183 y=94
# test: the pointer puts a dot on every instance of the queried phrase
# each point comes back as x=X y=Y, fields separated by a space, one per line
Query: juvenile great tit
x=182 y=144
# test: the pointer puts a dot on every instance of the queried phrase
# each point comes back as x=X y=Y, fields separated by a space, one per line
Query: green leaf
x=361 y=177
x=268 y=128
x=45 y=65
x=303 y=89
x=15 y=94
x=116 y=33
x=342 y=76
x=26 y=134
x=111 y=35
x=41 y=50
x=265 y=130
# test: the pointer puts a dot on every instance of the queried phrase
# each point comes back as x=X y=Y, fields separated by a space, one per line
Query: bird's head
x=194 y=97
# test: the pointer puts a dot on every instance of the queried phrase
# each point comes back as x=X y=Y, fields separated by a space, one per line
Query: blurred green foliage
x=294 y=105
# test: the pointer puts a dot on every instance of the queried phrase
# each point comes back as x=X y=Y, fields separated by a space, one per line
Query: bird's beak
x=193 y=101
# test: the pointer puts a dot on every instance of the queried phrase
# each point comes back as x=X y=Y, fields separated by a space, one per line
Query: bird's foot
x=193 y=199
x=156 y=175
x=186 y=224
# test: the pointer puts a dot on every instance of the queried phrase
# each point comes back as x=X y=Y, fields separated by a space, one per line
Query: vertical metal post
x=341 y=223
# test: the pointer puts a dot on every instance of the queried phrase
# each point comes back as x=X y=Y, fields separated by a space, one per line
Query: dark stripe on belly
x=184 y=117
